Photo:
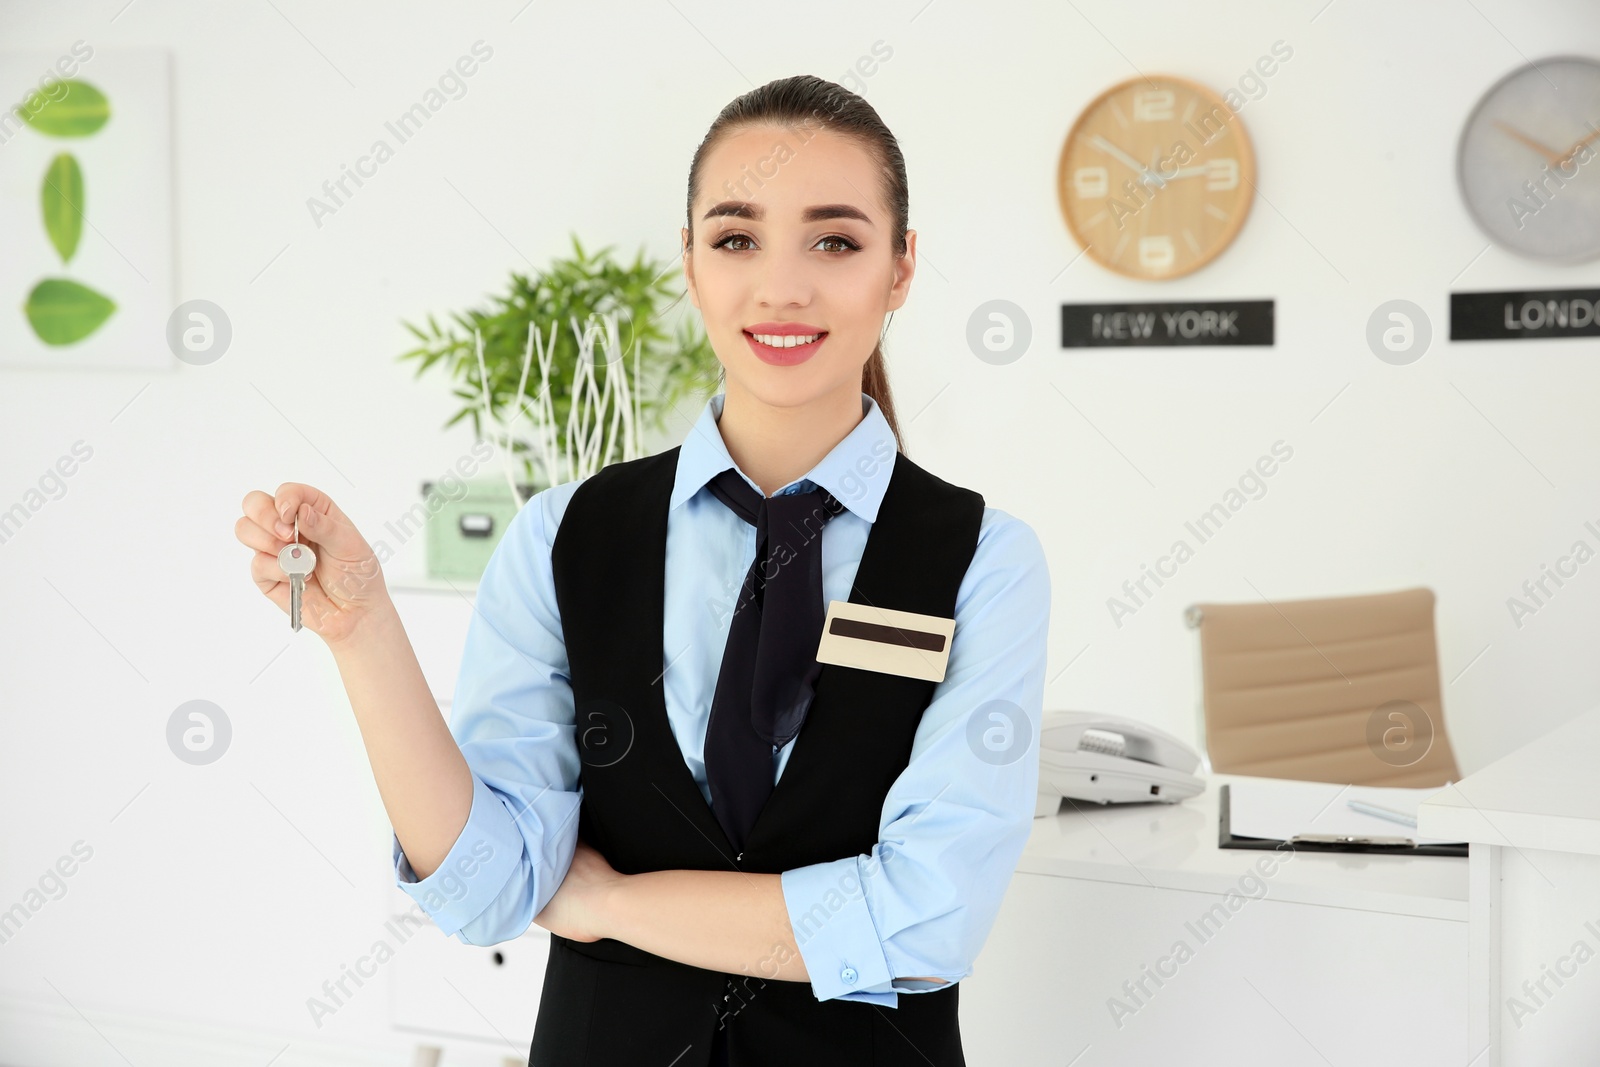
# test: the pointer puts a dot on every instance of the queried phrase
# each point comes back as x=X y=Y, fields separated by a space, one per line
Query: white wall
x=228 y=894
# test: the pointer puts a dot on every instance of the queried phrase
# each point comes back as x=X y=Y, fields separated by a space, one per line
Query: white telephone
x=1107 y=759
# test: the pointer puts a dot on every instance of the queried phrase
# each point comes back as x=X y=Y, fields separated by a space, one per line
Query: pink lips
x=784 y=357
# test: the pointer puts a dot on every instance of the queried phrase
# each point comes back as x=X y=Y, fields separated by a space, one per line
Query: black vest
x=608 y=1004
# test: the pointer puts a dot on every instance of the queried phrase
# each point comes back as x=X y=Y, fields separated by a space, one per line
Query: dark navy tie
x=769 y=665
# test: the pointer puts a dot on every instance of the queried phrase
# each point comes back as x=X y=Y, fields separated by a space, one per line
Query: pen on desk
x=1382 y=812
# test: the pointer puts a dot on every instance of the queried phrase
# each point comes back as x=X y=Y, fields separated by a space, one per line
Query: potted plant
x=594 y=324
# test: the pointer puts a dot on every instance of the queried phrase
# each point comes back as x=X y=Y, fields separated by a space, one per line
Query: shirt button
x=849 y=975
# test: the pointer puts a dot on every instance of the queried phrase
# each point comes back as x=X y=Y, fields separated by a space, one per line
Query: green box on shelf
x=463 y=533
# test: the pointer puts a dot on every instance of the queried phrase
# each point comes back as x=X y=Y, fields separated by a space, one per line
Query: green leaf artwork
x=61 y=199
x=63 y=312
x=60 y=310
x=79 y=111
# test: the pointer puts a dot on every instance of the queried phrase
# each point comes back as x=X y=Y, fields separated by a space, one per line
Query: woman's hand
x=347 y=586
x=577 y=911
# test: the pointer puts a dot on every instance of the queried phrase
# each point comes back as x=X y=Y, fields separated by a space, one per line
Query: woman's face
x=758 y=260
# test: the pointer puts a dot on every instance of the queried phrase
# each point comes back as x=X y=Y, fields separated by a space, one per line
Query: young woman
x=745 y=851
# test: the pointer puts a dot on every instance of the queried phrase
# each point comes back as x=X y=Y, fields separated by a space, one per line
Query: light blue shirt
x=953 y=824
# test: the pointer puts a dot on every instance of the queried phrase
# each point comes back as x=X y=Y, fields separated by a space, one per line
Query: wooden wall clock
x=1156 y=177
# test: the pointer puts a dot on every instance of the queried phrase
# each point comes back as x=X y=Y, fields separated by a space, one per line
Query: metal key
x=297 y=561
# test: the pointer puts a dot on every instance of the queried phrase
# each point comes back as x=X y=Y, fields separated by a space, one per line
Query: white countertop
x=1174 y=846
x=1543 y=795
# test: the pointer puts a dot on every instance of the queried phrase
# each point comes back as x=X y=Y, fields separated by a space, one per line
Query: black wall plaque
x=1187 y=322
x=1535 y=315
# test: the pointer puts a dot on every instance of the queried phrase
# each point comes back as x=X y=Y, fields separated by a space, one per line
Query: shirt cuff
x=474 y=871
x=834 y=931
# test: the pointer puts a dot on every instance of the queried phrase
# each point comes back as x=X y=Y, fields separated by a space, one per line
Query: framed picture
x=86 y=205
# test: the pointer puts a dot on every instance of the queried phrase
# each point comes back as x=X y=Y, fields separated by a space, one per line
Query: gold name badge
x=886 y=640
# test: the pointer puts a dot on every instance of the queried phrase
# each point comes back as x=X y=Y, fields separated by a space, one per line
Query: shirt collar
x=856 y=471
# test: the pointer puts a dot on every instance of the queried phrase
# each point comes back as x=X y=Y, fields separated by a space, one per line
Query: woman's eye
x=842 y=244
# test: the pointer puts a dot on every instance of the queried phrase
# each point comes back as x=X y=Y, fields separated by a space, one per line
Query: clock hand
x=1166 y=176
x=1110 y=149
x=1516 y=134
x=1579 y=147
x=1181 y=172
x=1153 y=171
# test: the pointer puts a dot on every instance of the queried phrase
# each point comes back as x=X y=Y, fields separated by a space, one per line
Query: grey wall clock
x=1529 y=160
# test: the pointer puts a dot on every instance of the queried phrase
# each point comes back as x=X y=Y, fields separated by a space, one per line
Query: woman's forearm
x=725 y=921
x=421 y=775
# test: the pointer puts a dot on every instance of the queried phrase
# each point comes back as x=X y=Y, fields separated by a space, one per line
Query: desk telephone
x=1107 y=759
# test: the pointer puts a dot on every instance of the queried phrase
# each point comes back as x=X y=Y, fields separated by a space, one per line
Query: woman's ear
x=688 y=267
x=904 y=268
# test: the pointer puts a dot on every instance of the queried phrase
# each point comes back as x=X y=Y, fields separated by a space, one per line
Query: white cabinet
x=444 y=991
x=1127 y=929
x=435 y=616
x=465 y=1003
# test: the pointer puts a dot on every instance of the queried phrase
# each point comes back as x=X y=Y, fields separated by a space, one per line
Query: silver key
x=297 y=561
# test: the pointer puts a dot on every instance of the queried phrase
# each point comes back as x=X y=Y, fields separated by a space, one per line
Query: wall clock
x=1529 y=160
x=1156 y=177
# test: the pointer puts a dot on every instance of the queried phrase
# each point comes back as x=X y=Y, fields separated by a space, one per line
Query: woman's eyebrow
x=743 y=209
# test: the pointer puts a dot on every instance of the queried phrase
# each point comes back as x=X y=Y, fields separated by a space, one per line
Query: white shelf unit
x=465 y=1003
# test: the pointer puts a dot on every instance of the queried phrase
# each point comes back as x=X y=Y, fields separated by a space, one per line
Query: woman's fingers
x=347 y=584
x=321 y=521
x=251 y=534
x=268 y=576
x=258 y=511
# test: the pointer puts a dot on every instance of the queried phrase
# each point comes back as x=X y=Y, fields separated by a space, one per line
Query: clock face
x=1529 y=160
x=1156 y=177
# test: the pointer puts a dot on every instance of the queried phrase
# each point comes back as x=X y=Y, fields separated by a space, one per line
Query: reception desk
x=1128 y=937
x=1532 y=820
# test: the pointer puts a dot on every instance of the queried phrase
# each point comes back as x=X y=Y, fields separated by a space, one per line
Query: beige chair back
x=1341 y=689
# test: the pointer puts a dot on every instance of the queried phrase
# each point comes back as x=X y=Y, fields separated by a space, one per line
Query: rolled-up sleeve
x=512 y=715
x=955 y=821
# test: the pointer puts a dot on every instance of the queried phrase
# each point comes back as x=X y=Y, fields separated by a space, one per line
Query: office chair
x=1340 y=689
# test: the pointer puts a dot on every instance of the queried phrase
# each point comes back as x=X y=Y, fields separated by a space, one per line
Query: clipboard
x=1343 y=843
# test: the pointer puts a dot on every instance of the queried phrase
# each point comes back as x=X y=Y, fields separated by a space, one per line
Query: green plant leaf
x=673 y=357
x=61 y=201
x=80 y=110
x=62 y=312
